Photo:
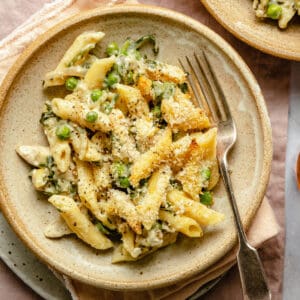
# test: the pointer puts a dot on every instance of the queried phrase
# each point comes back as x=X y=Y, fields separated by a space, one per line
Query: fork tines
x=206 y=87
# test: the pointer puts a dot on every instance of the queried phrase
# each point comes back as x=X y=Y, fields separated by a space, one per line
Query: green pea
x=124 y=182
x=71 y=83
x=112 y=78
x=63 y=132
x=91 y=116
x=96 y=94
x=206 y=198
x=274 y=11
x=206 y=173
x=112 y=49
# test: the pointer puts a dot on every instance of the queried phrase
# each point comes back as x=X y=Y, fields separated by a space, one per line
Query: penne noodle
x=193 y=209
x=95 y=75
x=149 y=205
x=150 y=160
x=181 y=114
x=76 y=55
x=123 y=145
x=102 y=177
x=120 y=205
x=60 y=149
x=77 y=111
x=79 y=223
x=136 y=104
x=201 y=153
x=165 y=72
x=87 y=191
x=182 y=224
x=86 y=149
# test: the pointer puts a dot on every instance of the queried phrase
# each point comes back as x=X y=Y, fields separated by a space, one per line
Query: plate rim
x=255 y=43
x=27 y=255
x=235 y=58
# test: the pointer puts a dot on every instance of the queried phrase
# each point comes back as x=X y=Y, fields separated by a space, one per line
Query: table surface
x=266 y=69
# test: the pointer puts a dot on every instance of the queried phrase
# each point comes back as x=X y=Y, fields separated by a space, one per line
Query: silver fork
x=210 y=96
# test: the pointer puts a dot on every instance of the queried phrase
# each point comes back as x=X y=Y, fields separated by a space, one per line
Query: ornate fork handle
x=252 y=275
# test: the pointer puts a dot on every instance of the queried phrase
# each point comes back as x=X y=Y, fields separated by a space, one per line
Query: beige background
x=273 y=74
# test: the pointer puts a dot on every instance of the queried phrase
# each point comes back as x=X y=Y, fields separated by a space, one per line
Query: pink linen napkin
x=263 y=227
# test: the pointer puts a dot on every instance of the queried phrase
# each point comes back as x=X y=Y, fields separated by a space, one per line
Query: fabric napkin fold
x=263 y=227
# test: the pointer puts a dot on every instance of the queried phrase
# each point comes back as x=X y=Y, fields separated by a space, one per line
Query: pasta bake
x=131 y=160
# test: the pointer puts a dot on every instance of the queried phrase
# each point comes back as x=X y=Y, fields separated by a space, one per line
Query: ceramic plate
x=38 y=276
x=27 y=267
x=238 y=17
x=22 y=98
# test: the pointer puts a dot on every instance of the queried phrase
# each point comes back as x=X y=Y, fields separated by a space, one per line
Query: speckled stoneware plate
x=38 y=276
x=22 y=98
x=27 y=267
x=238 y=17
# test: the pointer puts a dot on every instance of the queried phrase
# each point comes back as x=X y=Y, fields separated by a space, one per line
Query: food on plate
x=281 y=10
x=131 y=161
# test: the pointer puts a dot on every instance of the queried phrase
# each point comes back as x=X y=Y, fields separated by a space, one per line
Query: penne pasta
x=144 y=133
x=128 y=239
x=95 y=75
x=102 y=177
x=39 y=178
x=193 y=209
x=182 y=224
x=149 y=205
x=165 y=72
x=130 y=156
x=144 y=84
x=60 y=149
x=74 y=57
x=201 y=152
x=120 y=254
x=181 y=114
x=120 y=205
x=86 y=149
x=123 y=145
x=79 y=223
x=77 y=113
x=150 y=160
x=180 y=152
x=87 y=191
x=136 y=104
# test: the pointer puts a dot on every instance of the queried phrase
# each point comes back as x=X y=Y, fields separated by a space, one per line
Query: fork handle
x=252 y=275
